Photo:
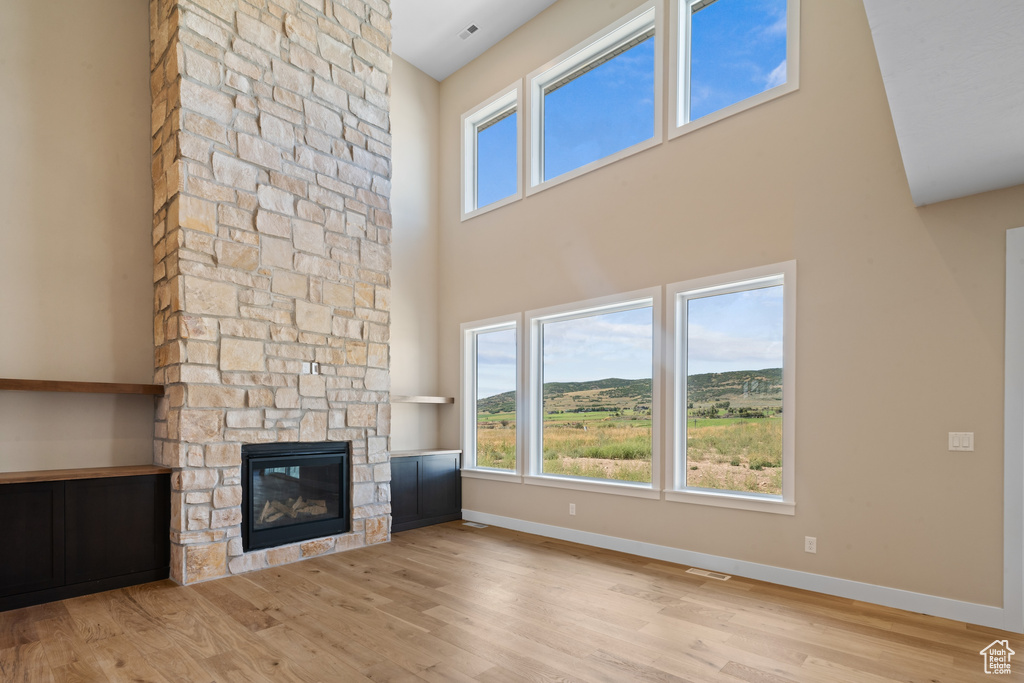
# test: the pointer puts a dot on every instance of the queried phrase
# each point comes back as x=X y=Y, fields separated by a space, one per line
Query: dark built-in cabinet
x=425 y=489
x=61 y=538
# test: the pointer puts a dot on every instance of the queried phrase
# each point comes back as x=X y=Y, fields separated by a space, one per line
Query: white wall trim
x=1013 y=437
x=983 y=615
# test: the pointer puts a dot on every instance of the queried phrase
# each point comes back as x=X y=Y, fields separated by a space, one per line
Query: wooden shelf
x=82 y=473
x=80 y=387
x=428 y=451
x=423 y=399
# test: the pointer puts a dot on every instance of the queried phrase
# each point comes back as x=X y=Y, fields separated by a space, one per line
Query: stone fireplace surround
x=271 y=232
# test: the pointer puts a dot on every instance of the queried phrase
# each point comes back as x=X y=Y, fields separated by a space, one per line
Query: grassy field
x=724 y=453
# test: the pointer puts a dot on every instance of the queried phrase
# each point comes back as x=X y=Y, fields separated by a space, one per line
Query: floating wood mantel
x=80 y=387
x=81 y=473
x=423 y=399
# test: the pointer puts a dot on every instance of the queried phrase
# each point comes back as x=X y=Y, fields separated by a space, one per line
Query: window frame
x=600 y=43
x=679 y=72
x=677 y=295
x=534 y=397
x=490 y=108
x=468 y=415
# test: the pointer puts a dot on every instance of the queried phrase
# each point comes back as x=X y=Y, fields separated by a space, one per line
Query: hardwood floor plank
x=752 y=675
x=25 y=663
x=452 y=603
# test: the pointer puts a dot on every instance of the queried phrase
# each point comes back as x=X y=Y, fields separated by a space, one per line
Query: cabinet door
x=440 y=491
x=405 y=497
x=117 y=526
x=32 y=537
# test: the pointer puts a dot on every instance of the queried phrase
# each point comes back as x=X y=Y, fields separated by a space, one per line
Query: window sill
x=737 y=501
x=614 y=488
x=492 y=206
x=596 y=164
x=493 y=475
x=732 y=109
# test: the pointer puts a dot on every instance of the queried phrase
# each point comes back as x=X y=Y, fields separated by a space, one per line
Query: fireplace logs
x=294 y=508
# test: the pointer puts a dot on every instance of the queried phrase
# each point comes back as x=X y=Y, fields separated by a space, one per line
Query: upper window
x=733 y=384
x=490 y=379
x=599 y=102
x=732 y=55
x=592 y=392
x=491 y=153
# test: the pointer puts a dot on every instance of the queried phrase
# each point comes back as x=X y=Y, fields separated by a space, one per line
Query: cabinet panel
x=32 y=537
x=425 y=489
x=116 y=526
x=405 y=497
x=440 y=485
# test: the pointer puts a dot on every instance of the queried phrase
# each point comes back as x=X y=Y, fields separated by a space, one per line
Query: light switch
x=961 y=441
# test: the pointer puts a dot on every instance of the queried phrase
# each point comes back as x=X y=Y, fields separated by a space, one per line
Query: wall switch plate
x=961 y=441
x=572 y=508
x=810 y=544
x=307 y=368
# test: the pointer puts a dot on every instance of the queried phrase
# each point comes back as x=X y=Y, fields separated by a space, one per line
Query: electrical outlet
x=810 y=544
x=572 y=508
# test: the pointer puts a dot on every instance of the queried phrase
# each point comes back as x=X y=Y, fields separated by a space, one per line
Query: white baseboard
x=972 y=613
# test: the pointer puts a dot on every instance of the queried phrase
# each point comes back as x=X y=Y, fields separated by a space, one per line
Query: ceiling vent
x=468 y=31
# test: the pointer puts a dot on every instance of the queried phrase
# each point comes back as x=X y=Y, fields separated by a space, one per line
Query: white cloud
x=778 y=28
x=610 y=345
x=777 y=76
x=716 y=351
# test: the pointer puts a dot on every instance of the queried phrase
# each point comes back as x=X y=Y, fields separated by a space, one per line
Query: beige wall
x=899 y=318
x=414 y=205
x=76 y=205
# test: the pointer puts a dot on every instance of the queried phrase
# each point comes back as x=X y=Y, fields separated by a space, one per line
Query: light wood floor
x=452 y=603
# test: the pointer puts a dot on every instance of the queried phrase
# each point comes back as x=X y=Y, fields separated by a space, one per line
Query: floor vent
x=475 y=525
x=707 y=574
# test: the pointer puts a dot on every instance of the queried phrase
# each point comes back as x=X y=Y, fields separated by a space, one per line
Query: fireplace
x=294 y=492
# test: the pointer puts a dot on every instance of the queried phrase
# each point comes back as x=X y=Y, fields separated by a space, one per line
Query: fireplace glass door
x=294 y=496
x=295 y=493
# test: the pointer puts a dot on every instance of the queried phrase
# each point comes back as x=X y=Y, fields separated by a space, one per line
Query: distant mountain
x=751 y=387
x=743 y=387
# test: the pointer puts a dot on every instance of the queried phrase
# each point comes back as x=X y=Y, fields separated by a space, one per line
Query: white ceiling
x=425 y=33
x=954 y=76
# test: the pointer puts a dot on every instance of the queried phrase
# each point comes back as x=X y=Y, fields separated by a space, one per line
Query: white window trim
x=467 y=416
x=534 y=397
x=678 y=73
x=647 y=15
x=675 y=363
x=509 y=96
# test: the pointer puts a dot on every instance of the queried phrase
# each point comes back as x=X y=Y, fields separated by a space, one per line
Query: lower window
x=490 y=388
x=595 y=368
x=732 y=370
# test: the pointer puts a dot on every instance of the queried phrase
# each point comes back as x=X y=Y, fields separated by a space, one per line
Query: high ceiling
x=954 y=76
x=425 y=33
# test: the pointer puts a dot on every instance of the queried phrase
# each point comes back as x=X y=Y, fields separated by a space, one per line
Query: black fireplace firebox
x=294 y=492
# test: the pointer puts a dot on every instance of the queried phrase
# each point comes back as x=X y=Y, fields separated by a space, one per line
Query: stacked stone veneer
x=272 y=231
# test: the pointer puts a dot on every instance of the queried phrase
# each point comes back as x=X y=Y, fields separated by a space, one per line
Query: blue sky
x=739 y=331
x=496 y=362
x=603 y=111
x=738 y=50
x=599 y=346
x=496 y=148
